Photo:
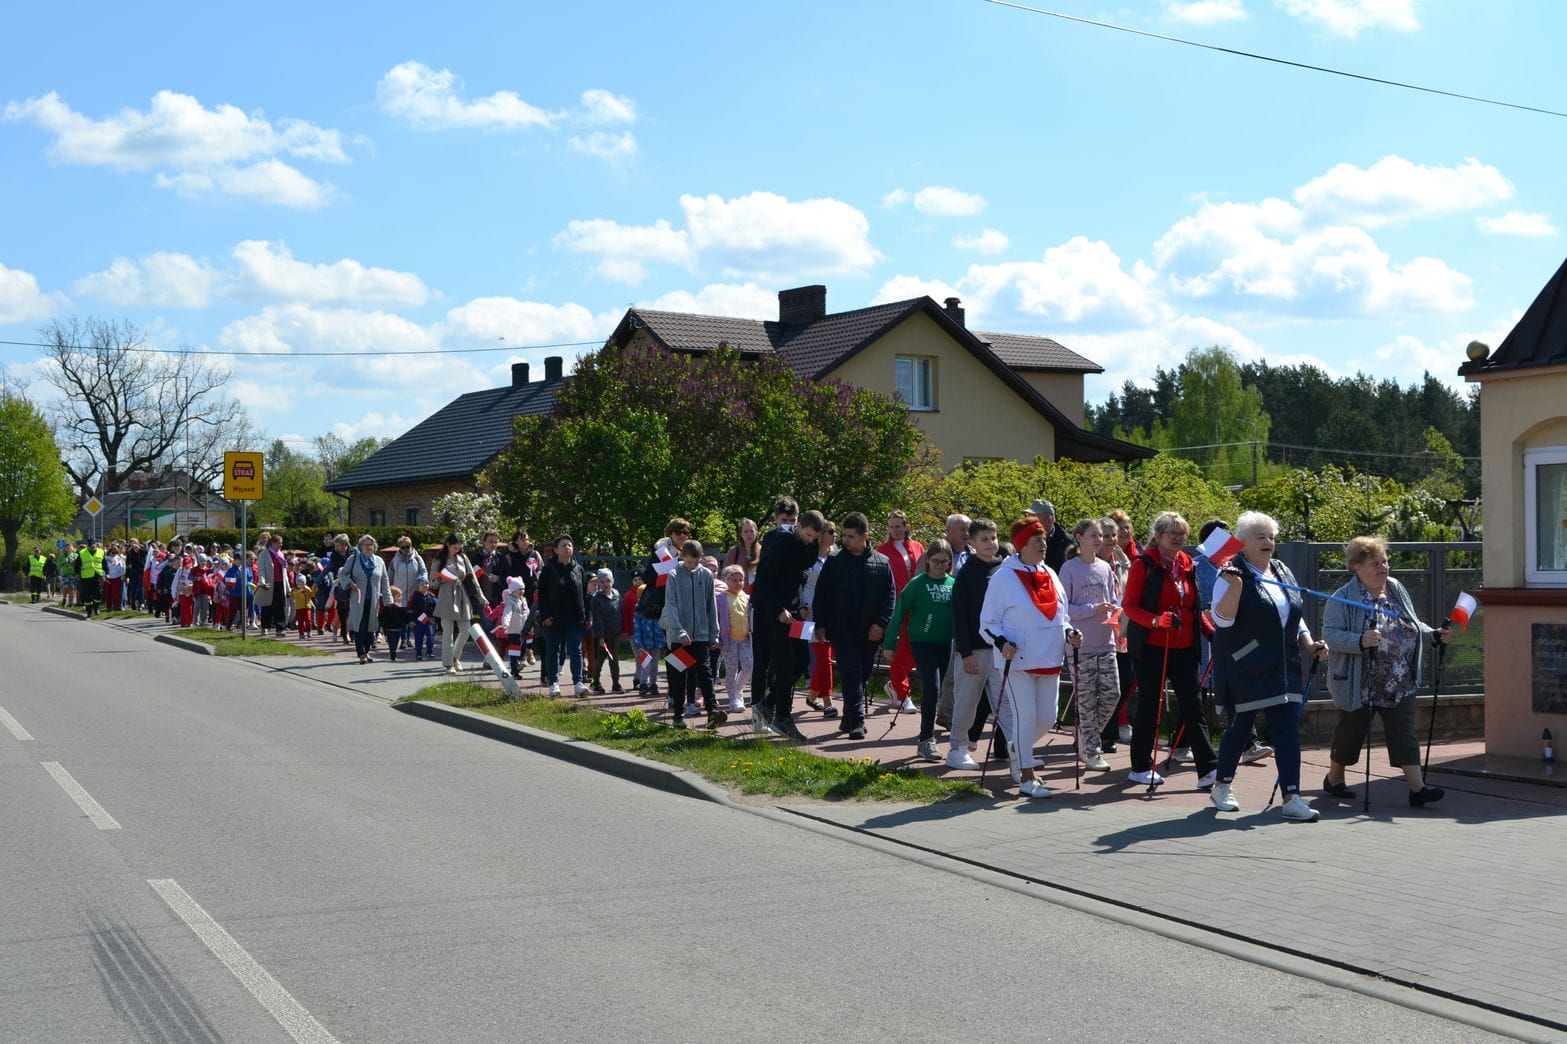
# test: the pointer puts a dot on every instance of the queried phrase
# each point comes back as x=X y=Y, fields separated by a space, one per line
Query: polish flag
x=804 y=630
x=644 y=658
x=424 y=618
x=665 y=555
x=478 y=574
x=1113 y=618
x=680 y=658
x=1221 y=546
x=1463 y=610
x=448 y=575
x=232 y=581
x=663 y=568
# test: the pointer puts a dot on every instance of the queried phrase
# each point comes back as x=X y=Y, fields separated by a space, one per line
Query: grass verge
x=752 y=766
x=123 y=614
x=227 y=643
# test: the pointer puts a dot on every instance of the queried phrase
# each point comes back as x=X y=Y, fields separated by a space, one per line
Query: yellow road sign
x=242 y=477
x=93 y=506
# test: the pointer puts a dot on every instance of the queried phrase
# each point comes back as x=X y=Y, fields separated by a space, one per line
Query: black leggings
x=1181 y=673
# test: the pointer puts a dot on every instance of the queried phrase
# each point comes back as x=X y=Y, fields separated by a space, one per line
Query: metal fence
x=1433 y=573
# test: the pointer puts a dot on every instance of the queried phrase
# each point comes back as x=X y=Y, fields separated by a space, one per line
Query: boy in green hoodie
x=926 y=604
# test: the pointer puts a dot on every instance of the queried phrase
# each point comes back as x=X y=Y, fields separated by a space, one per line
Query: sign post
x=243 y=480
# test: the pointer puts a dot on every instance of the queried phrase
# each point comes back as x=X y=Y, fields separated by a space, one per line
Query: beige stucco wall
x=1064 y=390
x=1512 y=728
x=976 y=415
x=1517 y=413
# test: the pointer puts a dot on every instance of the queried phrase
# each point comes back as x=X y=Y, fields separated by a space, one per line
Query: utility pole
x=1254 y=461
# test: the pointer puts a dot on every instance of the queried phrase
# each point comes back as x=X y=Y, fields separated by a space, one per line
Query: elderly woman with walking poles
x=1376 y=653
x=363 y=580
x=1259 y=641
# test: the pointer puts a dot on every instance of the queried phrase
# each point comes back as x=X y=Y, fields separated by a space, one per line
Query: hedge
x=309 y=538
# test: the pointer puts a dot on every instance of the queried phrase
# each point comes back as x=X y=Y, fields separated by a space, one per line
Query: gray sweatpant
x=1098 y=691
x=966 y=691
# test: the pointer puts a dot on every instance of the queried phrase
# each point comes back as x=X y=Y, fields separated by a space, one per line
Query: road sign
x=93 y=506
x=242 y=476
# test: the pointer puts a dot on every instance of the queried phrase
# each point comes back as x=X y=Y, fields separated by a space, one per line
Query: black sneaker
x=677 y=722
x=857 y=730
x=616 y=688
x=715 y=719
x=598 y=690
x=1425 y=796
x=787 y=728
x=1343 y=793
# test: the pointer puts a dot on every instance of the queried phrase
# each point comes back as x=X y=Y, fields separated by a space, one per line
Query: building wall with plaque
x=1523 y=447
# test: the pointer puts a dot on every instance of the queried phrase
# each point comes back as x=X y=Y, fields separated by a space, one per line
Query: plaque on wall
x=1548 y=650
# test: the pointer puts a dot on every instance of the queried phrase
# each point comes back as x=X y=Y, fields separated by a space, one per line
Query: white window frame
x=916 y=364
x=1532 y=461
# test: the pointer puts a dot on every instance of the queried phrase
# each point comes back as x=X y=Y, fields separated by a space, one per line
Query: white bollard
x=493 y=658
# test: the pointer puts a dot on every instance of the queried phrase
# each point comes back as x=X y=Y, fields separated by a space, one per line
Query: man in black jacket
x=786 y=553
x=970 y=707
x=854 y=602
x=563 y=609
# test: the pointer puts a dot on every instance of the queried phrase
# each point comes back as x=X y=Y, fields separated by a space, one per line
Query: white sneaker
x=1147 y=779
x=693 y=711
x=582 y=689
x=554 y=688
x=960 y=759
x=906 y=705
x=737 y=705
x=1207 y=782
x=1125 y=734
x=1256 y=752
x=1296 y=809
x=1032 y=788
x=1096 y=763
x=1183 y=756
x=1223 y=798
x=928 y=750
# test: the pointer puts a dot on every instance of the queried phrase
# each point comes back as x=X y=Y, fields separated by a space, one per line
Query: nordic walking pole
x=1370 y=660
x=1436 y=692
x=995 y=712
x=1077 y=726
x=1164 y=672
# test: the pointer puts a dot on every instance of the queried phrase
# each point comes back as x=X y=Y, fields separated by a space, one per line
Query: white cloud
x=283 y=329
x=193 y=150
x=1393 y=189
x=1349 y=17
x=986 y=241
x=160 y=280
x=270 y=270
x=1408 y=357
x=616 y=147
x=601 y=106
x=1206 y=12
x=375 y=423
x=907 y=287
x=431 y=100
x=1518 y=223
x=20 y=298
x=937 y=201
x=762 y=236
x=741 y=300
x=489 y=320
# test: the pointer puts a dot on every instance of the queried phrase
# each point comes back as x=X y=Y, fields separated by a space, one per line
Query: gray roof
x=1027 y=352
x=456 y=441
x=1539 y=339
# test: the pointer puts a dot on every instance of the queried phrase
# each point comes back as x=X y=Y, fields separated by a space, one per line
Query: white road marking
x=290 y=1014
x=14 y=725
x=95 y=812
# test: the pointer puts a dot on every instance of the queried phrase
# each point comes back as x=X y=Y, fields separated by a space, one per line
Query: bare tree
x=125 y=408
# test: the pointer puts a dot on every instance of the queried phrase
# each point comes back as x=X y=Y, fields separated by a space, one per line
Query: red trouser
x=902 y=664
x=821 y=670
x=302 y=618
x=187 y=610
x=111 y=591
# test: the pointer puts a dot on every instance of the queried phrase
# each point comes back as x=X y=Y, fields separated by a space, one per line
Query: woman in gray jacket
x=453 y=583
x=1391 y=638
x=363 y=578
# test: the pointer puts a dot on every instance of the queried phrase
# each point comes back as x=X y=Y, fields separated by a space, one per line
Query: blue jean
x=566 y=639
x=1283 y=728
x=855 y=661
x=931 y=660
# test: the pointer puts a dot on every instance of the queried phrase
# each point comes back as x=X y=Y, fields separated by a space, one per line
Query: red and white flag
x=665 y=555
x=644 y=658
x=448 y=574
x=804 y=630
x=478 y=573
x=1463 y=610
x=1221 y=546
x=424 y=618
x=680 y=658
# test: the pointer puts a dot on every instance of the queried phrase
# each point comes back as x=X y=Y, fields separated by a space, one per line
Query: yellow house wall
x=976 y=415
x=1064 y=390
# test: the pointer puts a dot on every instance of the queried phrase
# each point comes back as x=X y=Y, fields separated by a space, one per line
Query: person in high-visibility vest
x=35 y=573
x=91 y=574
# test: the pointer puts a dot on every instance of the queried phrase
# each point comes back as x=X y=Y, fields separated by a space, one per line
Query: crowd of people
x=988 y=620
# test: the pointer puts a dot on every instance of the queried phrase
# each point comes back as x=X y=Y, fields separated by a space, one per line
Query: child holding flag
x=691 y=622
x=421 y=608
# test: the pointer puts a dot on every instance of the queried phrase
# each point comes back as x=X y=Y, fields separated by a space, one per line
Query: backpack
x=650 y=604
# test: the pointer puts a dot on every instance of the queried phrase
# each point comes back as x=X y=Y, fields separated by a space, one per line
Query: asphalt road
x=271 y=858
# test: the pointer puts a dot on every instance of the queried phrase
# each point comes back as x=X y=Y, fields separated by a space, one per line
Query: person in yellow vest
x=35 y=573
x=91 y=577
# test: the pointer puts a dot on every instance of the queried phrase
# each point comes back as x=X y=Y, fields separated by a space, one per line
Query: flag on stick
x=804 y=630
x=1463 y=610
x=1221 y=546
x=680 y=658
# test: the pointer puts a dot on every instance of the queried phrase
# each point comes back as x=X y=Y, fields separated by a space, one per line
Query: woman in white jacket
x=1025 y=616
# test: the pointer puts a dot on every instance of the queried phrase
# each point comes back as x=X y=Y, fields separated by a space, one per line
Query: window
x=1545 y=516
x=914 y=378
x=378 y=518
x=411 y=516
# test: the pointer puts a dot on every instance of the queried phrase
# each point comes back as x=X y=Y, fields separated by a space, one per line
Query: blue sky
x=305 y=179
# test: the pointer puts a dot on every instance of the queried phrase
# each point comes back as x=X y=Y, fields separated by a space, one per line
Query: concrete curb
x=580 y=752
x=57 y=611
x=185 y=643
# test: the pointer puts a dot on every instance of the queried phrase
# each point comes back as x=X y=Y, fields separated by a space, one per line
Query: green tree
x=35 y=490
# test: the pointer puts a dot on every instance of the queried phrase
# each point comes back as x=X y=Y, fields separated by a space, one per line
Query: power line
x=302 y=355
x=1277 y=61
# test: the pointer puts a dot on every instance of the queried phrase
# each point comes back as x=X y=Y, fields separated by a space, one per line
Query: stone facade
x=395 y=502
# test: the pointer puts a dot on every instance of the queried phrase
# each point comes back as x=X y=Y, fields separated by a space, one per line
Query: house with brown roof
x=976 y=395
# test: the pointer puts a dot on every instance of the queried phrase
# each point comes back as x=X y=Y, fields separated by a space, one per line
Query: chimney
x=519 y=374
x=803 y=304
x=552 y=367
x=954 y=309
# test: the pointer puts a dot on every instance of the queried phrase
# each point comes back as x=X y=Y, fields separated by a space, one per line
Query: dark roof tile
x=1026 y=352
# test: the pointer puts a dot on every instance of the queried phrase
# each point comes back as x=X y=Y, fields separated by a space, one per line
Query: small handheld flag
x=644 y=658
x=804 y=630
x=665 y=567
x=1463 y=610
x=448 y=575
x=1221 y=546
x=680 y=658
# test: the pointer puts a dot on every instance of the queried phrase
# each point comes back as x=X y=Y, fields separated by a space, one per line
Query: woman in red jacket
x=1163 y=617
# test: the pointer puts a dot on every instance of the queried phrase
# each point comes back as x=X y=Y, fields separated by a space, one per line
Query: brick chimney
x=803 y=304
x=519 y=374
x=954 y=310
x=553 y=367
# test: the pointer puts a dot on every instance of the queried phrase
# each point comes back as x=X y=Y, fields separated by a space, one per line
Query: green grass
x=227 y=643
x=752 y=766
x=123 y=614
